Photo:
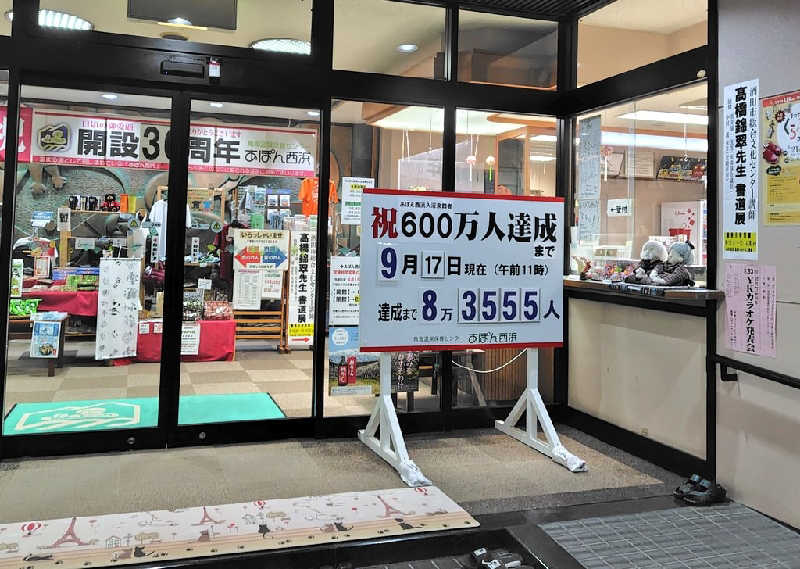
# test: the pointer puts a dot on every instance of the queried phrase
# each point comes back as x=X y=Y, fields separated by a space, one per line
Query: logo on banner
x=54 y=138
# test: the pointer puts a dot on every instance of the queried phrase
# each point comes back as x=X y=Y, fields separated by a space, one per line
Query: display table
x=74 y=303
x=217 y=343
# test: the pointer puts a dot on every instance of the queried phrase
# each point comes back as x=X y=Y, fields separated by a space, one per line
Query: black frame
x=104 y=61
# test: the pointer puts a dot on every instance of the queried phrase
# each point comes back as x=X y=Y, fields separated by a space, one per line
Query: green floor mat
x=133 y=413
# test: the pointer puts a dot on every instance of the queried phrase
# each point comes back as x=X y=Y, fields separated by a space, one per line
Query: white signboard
x=302 y=283
x=447 y=271
x=640 y=163
x=266 y=250
x=352 y=188
x=589 y=158
x=190 y=338
x=741 y=155
x=118 y=303
x=69 y=139
x=344 y=295
x=265 y=151
x=247 y=289
x=619 y=207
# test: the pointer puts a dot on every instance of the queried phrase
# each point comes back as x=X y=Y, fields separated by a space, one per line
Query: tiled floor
x=257 y=368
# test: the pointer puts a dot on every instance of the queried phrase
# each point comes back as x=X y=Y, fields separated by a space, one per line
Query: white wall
x=758 y=447
x=640 y=369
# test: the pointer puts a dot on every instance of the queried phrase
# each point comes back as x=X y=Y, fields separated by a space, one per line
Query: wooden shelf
x=664 y=292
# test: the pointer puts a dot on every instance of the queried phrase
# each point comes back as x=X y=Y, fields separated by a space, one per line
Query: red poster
x=25 y=122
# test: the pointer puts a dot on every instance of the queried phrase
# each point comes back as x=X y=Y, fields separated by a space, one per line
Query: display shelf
x=664 y=292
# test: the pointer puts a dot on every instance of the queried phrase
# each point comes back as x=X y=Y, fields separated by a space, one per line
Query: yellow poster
x=780 y=159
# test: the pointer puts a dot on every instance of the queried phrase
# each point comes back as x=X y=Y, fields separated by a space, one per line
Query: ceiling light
x=542 y=158
x=679 y=118
x=215 y=105
x=654 y=141
x=283 y=45
x=180 y=21
x=695 y=107
x=407 y=47
x=313 y=113
x=109 y=96
x=60 y=20
x=544 y=138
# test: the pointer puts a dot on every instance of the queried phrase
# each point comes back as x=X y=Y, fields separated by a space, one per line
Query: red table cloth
x=75 y=303
x=217 y=343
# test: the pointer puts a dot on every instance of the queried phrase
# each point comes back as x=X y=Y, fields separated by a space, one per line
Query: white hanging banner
x=118 y=303
x=447 y=271
x=589 y=157
x=302 y=283
x=740 y=186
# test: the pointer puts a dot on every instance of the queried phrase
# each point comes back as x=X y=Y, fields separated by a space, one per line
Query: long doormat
x=131 y=413
x=164 y=535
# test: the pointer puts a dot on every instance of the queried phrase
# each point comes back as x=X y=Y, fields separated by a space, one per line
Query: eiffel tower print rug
x=202 y=531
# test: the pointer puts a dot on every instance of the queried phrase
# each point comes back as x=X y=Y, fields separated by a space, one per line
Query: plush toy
x=675 y=272
x=651 y=264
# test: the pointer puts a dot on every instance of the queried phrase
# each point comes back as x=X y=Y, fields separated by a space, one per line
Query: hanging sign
x=740 y=171
x=344 y=296
x=24 y=129
x=780 y=159
x=265 y=151
x=118 y=302
x=589 y=158
x=444 y=271
x=266 y=250
x=619 y=207
x=302 y=284
x=352 y=188
x=69 y=139
x=750 y=298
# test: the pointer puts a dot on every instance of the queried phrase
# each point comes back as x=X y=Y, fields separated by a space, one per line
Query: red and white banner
x=69 y=139
x=25 y=123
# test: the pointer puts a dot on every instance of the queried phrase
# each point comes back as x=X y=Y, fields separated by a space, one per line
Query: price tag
x=204 y=284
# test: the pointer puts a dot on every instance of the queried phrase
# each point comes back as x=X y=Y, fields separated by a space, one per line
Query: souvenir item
x=675 y=272
x=652 y=262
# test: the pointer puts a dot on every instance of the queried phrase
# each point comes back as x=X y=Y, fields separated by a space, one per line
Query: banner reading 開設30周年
x=442 y=271
x=740 y=188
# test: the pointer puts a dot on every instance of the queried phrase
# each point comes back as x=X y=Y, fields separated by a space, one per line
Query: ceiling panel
x=544 y=9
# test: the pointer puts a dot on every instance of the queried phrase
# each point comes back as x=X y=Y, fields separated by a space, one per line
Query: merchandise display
x=651 y=263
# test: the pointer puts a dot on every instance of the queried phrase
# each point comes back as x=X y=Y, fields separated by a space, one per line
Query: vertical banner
x=751 y=325
x=302 y=284
x=344 y=296
x=352 y=188
x=589 y=158
x=118 y=303
x=740 y=163
x=25 y=125
x=266 y=250
x=447 y=271
x=780 y=159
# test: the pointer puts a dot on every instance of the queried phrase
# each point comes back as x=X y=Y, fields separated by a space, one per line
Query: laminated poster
x=588 y=220
x=780 y=159
x=352 y=188
x=344 y=292
x=17 y=278
x=266 y=250
x=45 y=339
x=589 y=158
x=740 y=168
x=190 y=338
x=751 y=325
x=247 y=289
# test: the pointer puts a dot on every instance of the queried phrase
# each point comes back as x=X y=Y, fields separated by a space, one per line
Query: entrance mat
x=203 y=531
x=141 y=412
x=729 y=536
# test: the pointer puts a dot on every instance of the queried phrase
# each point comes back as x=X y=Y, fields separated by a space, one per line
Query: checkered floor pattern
x=728 y=536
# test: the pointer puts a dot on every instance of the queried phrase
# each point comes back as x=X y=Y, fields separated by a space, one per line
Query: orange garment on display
x=309 y=195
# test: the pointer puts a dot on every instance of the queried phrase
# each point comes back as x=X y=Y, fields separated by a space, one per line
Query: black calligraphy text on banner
x=90 y=140
x=445 y=271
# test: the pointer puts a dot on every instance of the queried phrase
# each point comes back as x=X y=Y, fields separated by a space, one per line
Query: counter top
x=663 y=292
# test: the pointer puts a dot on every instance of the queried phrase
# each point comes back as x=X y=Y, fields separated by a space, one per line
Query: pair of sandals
x=698 y=491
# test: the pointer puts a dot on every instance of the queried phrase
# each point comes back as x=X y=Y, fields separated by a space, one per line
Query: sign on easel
x=451 y=271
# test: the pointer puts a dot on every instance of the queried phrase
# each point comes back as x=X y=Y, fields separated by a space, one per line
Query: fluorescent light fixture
x=695 y=107
x=541 y=158
x=313 y=113
x=283 y=45
x=109 y=96
x=544 y=138
x=215 y=104
x=59 y=20
x=407 y=47
x=654 y=141
x=657 y=116
x=182 y=23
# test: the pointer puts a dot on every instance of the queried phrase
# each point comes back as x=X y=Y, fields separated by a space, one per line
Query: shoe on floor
x=689 y=486
x=706 y=494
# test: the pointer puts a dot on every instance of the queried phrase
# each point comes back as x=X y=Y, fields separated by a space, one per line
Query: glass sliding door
x=84 y=280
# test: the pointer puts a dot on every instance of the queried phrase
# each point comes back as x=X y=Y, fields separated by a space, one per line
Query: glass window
x=507 y=50
x=89 y=166
x=382 y=146
x=249 y=264
x=641 y=176
x=402 y=39
x=506 y=154
x=277 y=25
x=627 y=34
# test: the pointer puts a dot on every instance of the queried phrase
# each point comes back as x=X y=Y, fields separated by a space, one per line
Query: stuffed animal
x=675 y=272
x=651 y=264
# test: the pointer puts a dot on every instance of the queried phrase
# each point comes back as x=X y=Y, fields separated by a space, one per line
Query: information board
x=447 y=271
